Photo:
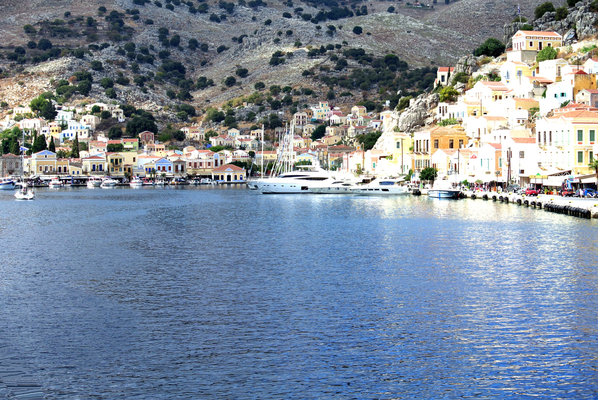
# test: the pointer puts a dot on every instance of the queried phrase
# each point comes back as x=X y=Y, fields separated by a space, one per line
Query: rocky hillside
x=272 y=43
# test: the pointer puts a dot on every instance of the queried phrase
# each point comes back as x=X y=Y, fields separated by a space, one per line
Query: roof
x=540 y=33
x=488 y=118
x=593 y=91
x=446 y=69
x=497 y=146
x=225 y=167
x=540 y=79
x=524 y=140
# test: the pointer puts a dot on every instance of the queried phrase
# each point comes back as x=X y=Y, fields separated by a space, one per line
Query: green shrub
x=543 y=9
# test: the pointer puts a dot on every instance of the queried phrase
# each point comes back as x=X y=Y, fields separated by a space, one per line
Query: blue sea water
x=225 y=293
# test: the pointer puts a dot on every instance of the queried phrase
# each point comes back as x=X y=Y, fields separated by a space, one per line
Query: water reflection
x=224 y=293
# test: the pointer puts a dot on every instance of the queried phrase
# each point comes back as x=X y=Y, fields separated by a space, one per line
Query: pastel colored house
x=146 y=137
x=443 y=74
x=587 y=96
x=94 y=164
x=116 y=164
x=164 y=166
x=228 y=173
x=536 y=40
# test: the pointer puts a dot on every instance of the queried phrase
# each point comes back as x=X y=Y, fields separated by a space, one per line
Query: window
x=592 y=136
x=435 y=143
x=451 y=144
x=522 y=154
x=580 y=157
x=460 y=143
x=580 y=135
x=531 y=44
x=591 y=155
x=398 y=145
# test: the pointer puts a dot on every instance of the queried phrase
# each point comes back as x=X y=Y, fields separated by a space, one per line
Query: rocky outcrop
x=509 y=30
x=417 y=113
x=467 y=64
x=578 y=25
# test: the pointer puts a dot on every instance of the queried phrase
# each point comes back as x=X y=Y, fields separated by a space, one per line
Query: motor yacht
x=55 y=183
x=94 y=182
x=136 y=182
x=443 y=189
x=108 y=183
x=382 y=187
x=294 y=182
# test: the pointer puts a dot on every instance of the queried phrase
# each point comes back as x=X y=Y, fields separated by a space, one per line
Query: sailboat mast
x=262 y=173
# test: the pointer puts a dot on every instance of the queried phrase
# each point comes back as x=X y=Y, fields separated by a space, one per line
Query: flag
x=519 y=9
x=23 y=148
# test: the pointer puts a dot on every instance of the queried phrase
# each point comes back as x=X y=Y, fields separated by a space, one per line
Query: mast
x=262 y=173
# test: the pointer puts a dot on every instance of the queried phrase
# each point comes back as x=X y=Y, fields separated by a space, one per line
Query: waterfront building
x=228 y=173
x=567 y=141
x=10 y=165
x=588 y=97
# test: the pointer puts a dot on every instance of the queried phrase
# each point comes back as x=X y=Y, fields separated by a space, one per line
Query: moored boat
x=382 y=187
x=108 y=183
x=7 y=184
x=443 y=189
x=55 y=183
x=94 y=182
x=136 y=182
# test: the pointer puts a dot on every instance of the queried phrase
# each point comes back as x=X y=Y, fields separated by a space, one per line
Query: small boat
x=206 y=181
x=160 y=182
x=136 y=182
x=55 y=183
x=7 y=184
x=382 y=187
x=443 y=189
x=94 y=182
x=108 y=183
x=25 y=193
x=148 y=182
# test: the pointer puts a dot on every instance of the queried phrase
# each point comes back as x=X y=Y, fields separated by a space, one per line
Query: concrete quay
x=573 y=206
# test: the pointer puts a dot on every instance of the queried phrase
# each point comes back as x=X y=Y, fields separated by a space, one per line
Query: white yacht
x=335 y=187
x=443 y=189
x=382 y=187
x=94 y=182
x=55 y=183
x=108 y=183
x=136 y=182
x=294 y=182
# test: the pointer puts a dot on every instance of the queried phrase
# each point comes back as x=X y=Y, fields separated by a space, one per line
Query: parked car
x=533 y=189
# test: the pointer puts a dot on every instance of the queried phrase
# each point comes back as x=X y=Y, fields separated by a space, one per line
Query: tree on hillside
x=319 y=132
x=48 y=112
x=491 y=47
x=39 y=144
x=75 y=147
x=449 y=94
x=37 y=104
x=52 y=146
x=369 y=140
x=543 y=9
x=547 y=53
x=14 y=146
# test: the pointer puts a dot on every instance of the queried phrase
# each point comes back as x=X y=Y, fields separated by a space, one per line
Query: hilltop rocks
x=578 y=24
x=418 y=112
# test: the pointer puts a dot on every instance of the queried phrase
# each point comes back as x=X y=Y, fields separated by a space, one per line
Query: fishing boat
x=7 y=184
x=94 y=182
x=25 y=192
x=136 y=182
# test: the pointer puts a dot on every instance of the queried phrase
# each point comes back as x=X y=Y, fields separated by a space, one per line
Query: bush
x=111 y=93
x=259 y=85
x=96 y=65
x=547 y=53
x=230 y=81
x=561 y=13
x=44 y=44
x=241 y=72
x=461 y=77
x=357 y=30
x=543 y=9
x=287 y=15
x=267 y=22
x=491 y=47
x=106 y=83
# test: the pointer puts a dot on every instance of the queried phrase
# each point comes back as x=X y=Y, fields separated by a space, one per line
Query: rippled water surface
x=224 y=293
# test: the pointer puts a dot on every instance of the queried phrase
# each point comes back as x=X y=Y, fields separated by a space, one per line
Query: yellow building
x=116 y=164
x=536 y=40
